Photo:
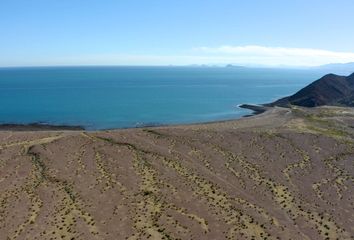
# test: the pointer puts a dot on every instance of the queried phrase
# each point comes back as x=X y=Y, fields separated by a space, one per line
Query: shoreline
x=257 y=109
x=204 y=164
x=38 y=127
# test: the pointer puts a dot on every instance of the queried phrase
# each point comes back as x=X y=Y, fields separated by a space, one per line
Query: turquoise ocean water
x=119 y=97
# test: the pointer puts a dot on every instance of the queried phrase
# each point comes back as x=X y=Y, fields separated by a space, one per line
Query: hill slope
x=284 y=174
x=329 y=90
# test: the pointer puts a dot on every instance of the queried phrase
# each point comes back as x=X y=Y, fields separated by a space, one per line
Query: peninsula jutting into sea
x=283 y=174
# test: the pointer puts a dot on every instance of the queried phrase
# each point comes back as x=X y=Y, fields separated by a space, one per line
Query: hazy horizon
x=211 y=65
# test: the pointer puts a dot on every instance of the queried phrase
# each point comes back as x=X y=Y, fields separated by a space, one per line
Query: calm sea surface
x=118 y=97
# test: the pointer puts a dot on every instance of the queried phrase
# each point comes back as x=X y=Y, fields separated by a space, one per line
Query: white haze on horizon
x=249 y=55
x=278 y=56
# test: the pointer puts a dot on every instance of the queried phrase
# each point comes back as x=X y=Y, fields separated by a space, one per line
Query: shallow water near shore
x=120 y=97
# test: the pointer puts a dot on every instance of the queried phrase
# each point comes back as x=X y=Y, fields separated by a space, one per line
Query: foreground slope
x=284 y=174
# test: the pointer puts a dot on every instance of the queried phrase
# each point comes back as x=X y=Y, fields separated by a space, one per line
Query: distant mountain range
x=329 y=90
x=338 y=68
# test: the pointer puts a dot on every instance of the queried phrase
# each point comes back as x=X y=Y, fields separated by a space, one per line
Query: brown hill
x=329 y=90
x=284 y=174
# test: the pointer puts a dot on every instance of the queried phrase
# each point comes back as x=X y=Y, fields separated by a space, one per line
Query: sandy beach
x=282 y=174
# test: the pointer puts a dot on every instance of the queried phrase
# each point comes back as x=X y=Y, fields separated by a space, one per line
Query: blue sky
x=161 y=32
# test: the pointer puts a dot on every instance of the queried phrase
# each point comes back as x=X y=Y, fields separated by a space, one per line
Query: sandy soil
x=283 y=174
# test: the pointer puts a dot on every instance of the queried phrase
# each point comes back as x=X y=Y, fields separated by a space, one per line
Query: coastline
x=191 y=166
x=257 y=109
x=38 y=127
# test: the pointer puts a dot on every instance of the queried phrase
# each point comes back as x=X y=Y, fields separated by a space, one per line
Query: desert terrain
x=283 y=174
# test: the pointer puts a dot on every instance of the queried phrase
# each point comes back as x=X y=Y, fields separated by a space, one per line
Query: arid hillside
x=330 y=90
x=284 y=174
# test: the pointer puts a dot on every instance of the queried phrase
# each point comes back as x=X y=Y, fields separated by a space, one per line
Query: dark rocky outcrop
x=329 y=90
